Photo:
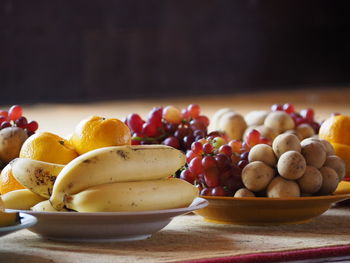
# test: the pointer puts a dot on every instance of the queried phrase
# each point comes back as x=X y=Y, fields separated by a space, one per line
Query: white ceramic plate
x=106 y=226
x=26 y=221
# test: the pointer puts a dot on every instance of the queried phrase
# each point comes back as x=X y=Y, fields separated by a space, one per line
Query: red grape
x=244 y=155
x=172 y=115
x=253 y=138
x=245 y=147
x=172 y=141
x=218 y=191
x=155 y=116
x=2 y=119
x=149 y=129
x=15 y=112
x=208 y=148
x=225 y=149
x=193 y=110
x=181 y=132
x=289 y=108
x=234 y=183
x=223 y=162
x=242 y=163
x=236 y=145
x=185 y=114
x=315 y=126
x=135 y=142
x=211 y=177
x=195 y=165
x=197 y=125
x=32 y=126
x=187 y=176
x=187 y=141
x=203 y=119
x=170 y=128
x=5 y=124
x=264 y=140
x=134 y=122
x=21 y=122
x=208 y=162
x=308 y=114
x=190 y=155
x=276 y=107
x=197 y=147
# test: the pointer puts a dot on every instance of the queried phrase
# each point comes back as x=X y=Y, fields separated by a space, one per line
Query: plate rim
x=270 y=199
x=27 y=221
x=197 y=203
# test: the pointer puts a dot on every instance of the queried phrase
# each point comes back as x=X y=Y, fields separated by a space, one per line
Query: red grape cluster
x=14 y=117
x=215 y=165
x=304 y=116
x=170 y=126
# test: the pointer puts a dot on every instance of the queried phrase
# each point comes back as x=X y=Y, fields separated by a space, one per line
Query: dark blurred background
x=74 y=50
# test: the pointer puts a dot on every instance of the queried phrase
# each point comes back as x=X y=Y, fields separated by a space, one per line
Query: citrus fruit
x=48 y=147
x=8 y=182
x=97 y=132
x=336 y=129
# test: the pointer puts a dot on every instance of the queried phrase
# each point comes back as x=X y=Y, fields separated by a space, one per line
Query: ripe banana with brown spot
x=134 y=196
x=115 y=164
x=37 y=176
x=22 y=199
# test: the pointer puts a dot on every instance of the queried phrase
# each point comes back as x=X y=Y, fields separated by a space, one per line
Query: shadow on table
x=10 y=257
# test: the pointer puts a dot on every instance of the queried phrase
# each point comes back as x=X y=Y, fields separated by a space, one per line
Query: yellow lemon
x=97 y=132
x=336 y=129
x=48 y=147
x=8 y=182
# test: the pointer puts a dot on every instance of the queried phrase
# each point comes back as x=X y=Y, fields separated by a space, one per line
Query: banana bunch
x=117 y=178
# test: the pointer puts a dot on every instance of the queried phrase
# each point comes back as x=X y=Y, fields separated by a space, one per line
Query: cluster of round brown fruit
x=292 y=168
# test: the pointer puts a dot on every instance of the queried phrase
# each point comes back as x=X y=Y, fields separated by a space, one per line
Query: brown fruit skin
x=11 y=140
x=337 y=164
x=257 y=175
x=291 y=165
x=263 y=153
x=284 y=143
x=314 y=154
x=280 y=121
x=280 y=187
x=330 y=181
x=311 y=181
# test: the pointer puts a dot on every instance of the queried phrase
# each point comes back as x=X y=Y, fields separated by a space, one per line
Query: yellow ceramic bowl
x=270 y=211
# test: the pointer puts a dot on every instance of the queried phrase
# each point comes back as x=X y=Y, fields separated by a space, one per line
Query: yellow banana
x=115 y=164
x=45 y=206
x=134 y=196
x=22 y=199
x=37 y=176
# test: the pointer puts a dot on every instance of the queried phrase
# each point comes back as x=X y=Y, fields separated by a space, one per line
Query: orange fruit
x=97 y=132
x=336 y=129
x=8 y=182
x=48 y=147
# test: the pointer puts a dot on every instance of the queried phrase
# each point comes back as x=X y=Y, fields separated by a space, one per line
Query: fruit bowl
x=270 y=211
